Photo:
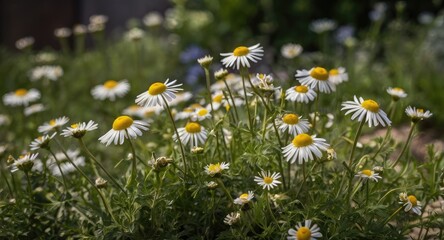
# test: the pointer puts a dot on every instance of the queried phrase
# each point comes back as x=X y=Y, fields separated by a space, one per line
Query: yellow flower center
x=40 y=138
x=157 y=88
x=268 y=180
x=303 y=233
x=75 y=125
x=420 y=110
x=301 y=89
x=291 y=119
x=241 y=51
x=21 y=92
x=302 y=140
x=110 y=84
x=52 y=122
x=398 y=89
x=202 y=112
x=319 y=73
x=134 y=107
x=261 y=76
x=192 y=127
x=412 y=199
x=218 y=98
x=195 y=105
x=367 y=172
x=334 y=72
x=214 y=168
x=122 y=122
x=370 y=105
x=244 y=196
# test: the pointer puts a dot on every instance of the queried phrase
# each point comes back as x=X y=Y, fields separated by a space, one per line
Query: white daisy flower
x=186 y=113
x=304 y=147
x=135 y=34
x=316 y=78
x=79 y=29
x=216 y=169
x=153 y=19
x=293 y=124
x=366 y=110
x=291 y=50
x=216 y=100
x=110 y=90
x=4 y=120
x=241 y=56
x=206 y=61
x=123 y=127
x=180 y=98
x=24 y=163
x=52 y=73
x=368 y=174
x=25 y=42
x=193 y=134
x=220 y=74
x=264 y=82
x=417 y=114
x=268 y=181
x=53 y=124
x=411 y=203
x=62 y=32
x=35 y=108
x=300 y=93
x=396 y=93
x=244 y=198
x=78 y=130
x=305 y=232
x=21 y=97
x=232 y=218
x=41 y=142
x=63 y=162
x=157 y=91
x=322 y=25
x=201 y=114
x=133 y=110
x=337 y=75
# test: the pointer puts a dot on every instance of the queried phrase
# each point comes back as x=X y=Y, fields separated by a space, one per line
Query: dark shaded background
x=39 y=18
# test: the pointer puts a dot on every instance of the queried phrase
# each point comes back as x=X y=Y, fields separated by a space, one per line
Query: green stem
x=222 y=185
x=391 y=216
x=232 y=99
x=269 y=209
x=355 y=142
x=177 y=135
x=250 y=124
x=133 y=177
x=29 y=184
x=281 y=168
x=208 y=80
x=91 y=156
x=409 y=138
x=60 y=169
x=105 y=203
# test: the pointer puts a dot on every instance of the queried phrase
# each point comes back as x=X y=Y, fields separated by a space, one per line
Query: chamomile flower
x=396 y=93
x=214 y=170
x=21 y=97
x=134 y=35
x=301 y=94
x=63 y=162
x=53 y=124
x=24 y=43
x=78 y=130
x=241 y=56
x=366 y=110
x=110 y=90
x=304 y=147
x=368 y=174
x=291 y=50
x=123 y=127
x=293 y=124
x=193 y=134
x=157 y=91
x=316 y=78
x=267 y=180
x=41 y=142
x=337 y=75
x=24 y=163
x=244 y=198
x=52 y=73
x=232 y=218
x=410 y=202
x=417 y=114
x=35 y=108
x=216 y=100
x=180 y=98
x=305 y=232
x=322 y=25
x=201 y=114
